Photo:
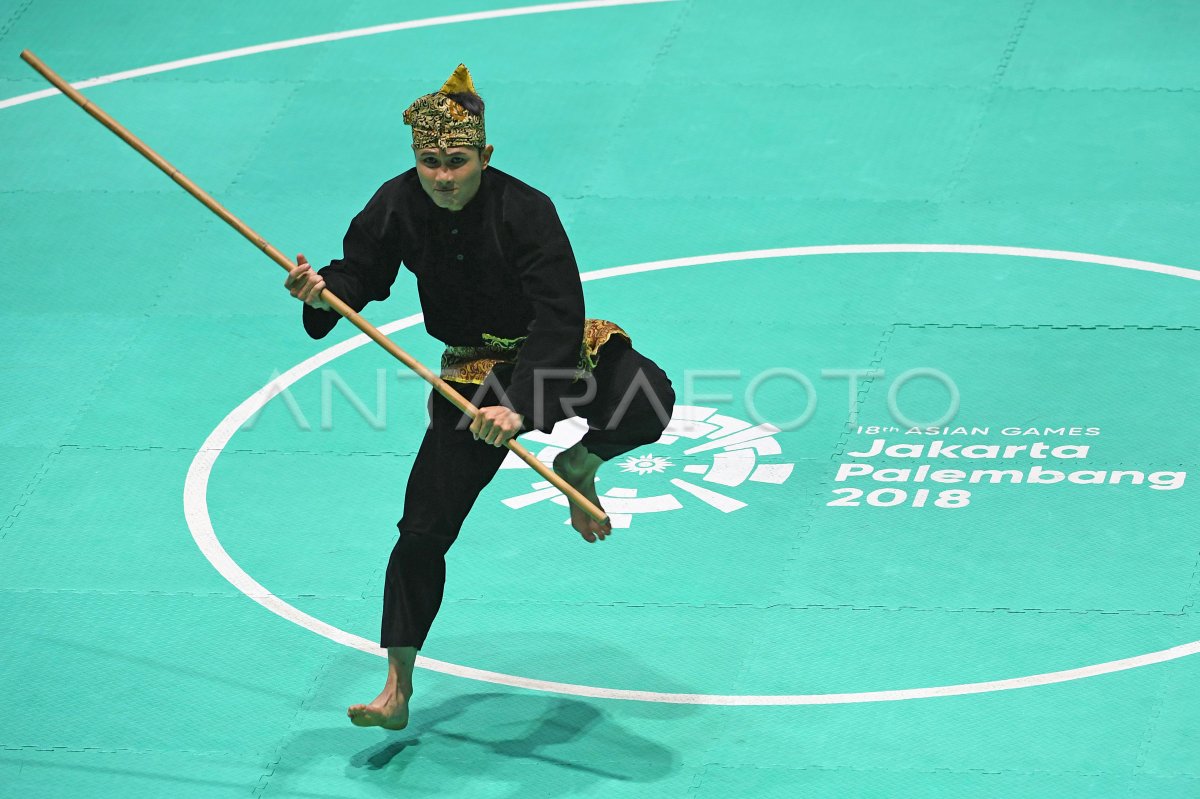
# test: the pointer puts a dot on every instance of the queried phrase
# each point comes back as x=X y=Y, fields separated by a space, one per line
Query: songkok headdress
x=438 y=121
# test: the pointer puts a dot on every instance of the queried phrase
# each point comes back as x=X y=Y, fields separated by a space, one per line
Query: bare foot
x=389 y=710
x=578 y=467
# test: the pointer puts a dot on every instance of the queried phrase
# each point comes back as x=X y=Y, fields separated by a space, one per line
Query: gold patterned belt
x=472 y=364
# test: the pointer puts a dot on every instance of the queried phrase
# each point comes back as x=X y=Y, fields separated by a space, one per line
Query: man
x=499 y=285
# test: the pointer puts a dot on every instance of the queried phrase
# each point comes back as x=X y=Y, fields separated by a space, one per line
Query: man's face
x=451 y=177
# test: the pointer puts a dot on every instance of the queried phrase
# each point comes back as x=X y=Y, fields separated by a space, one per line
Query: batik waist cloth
x=472 y=364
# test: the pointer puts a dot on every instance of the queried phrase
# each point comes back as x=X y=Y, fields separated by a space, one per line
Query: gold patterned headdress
x=438 y=121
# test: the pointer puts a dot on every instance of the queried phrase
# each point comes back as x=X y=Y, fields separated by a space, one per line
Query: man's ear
x=485 y=155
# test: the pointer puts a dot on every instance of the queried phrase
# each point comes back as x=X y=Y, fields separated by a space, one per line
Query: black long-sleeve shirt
x=501 y=265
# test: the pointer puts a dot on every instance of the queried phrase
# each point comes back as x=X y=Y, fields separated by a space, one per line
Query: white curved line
x=195 y=493
x=326 y=37
x=810 y=699
x=196 y=509
x=858 y=249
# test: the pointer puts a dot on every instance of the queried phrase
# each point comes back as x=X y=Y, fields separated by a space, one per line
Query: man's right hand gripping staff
x=306 y=285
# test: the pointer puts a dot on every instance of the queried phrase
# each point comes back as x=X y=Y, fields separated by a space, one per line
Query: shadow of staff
x=547 y=745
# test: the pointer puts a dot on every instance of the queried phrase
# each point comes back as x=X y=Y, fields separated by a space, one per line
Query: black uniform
x=501 y=266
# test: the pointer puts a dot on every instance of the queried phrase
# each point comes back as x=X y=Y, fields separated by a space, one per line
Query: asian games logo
x=656 y=479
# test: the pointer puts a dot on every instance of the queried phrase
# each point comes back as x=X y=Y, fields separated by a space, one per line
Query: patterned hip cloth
x=472 y=364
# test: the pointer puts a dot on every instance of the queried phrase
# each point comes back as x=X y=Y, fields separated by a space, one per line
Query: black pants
x=630 y=408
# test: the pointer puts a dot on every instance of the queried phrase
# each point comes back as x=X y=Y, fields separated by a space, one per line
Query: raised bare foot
x=389 y=710
x=578 y=467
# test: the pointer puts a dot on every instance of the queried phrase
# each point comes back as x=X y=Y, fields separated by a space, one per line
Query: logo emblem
x=645 y=464
x=719 y=453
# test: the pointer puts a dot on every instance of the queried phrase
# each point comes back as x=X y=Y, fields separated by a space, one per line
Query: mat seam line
x=262 y=784
x=985 y=84
x=993 y=91
x=231 y=594
x=794 y=196
x=622 y=604
x=788 y=567
x=697 y=782
x=940 y=770
x=640 y=89
x=25 y=495
x=1045 y=326
x=147 y=313
x=821 y=606
x=1193 y=588
x=263 y=139
x=182 y=77
x=1151 y=728
x=120 y=750
x=1122 y=203
x=12 y=19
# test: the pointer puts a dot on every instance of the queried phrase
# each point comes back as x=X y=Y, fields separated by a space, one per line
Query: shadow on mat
x=566 y=733
x=541 y=745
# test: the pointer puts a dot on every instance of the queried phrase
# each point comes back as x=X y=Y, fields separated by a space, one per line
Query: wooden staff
x=336 y=304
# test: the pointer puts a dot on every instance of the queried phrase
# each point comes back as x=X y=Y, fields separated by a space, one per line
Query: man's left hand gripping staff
x=496 y=424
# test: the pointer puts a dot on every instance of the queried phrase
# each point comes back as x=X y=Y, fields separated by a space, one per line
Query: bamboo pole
x=335 y=303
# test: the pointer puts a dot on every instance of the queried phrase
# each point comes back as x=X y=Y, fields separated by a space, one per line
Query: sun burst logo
x=645 y=464
x=727 y=454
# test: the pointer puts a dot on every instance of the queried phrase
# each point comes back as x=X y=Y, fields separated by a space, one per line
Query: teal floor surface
x=925 y=277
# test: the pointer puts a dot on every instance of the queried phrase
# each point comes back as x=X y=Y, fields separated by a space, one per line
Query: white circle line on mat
x=196 y=505
x=321 y=38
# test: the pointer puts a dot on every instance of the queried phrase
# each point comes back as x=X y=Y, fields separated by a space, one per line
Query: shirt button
x=459 y=256
x=454 y=232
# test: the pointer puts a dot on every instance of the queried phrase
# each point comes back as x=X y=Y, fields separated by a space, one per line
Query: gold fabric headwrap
x=438 y=121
